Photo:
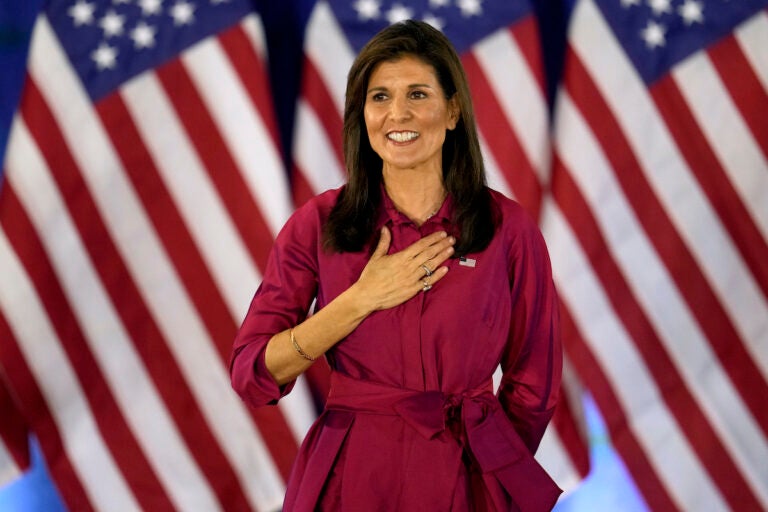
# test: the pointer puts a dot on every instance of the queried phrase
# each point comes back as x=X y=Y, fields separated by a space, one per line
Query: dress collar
x=390 y=215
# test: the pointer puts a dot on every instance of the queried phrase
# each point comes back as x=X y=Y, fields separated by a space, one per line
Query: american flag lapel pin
x=467 y=262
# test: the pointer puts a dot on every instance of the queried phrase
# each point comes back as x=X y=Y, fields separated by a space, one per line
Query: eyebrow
x=411 y=86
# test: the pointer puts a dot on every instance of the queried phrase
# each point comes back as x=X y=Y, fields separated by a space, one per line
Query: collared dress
x=412 y=422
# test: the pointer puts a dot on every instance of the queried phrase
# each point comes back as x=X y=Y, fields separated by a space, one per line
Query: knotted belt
x=474 y=417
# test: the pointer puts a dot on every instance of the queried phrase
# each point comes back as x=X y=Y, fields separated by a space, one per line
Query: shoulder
x=512 y=218
x=305 y=224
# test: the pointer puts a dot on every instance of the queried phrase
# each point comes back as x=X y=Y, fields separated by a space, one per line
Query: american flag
x=143 y=185
x=658 y=229
x=499 y=45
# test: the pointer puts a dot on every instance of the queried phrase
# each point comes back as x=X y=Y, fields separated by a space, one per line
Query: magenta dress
x=412 y=422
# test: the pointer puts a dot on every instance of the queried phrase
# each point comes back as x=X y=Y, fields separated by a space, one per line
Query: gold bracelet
x=298 y=348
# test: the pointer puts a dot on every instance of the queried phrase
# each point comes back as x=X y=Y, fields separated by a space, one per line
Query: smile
x=402 y=136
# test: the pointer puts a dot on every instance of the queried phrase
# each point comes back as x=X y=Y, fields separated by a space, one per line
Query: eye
x=417 y=94
x=378 y=96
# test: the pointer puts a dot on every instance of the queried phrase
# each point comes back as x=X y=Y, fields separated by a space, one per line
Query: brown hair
x=352 y=220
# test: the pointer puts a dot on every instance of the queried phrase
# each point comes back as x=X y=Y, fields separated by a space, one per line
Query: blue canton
x=464 y=22
x=657 y=34
x=111 y=41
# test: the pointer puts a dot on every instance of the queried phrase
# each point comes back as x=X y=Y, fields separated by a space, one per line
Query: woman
x=426 y=281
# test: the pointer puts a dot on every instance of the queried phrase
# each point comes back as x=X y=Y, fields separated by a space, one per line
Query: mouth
x=402 y=136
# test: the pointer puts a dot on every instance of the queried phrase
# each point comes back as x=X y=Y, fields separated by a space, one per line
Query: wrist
x=358 y=301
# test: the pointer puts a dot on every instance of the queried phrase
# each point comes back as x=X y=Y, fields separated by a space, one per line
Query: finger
x=420 y=245
x=432 y=280
x=438 y=252
x=383 y=246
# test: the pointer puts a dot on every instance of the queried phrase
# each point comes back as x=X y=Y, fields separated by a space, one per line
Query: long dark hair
x=352 y=220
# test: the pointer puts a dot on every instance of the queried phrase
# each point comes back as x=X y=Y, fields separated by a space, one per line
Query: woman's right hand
x=391 y=279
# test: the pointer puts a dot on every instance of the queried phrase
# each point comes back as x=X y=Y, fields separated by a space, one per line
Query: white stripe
x=245 y=134
x=117 y=358
x=180 y=326
x=726 y=133
x=193 y=193
x=9 y=470
x=254 y=30
x=753 y=39
x=85 y=448
x=654 y=427
x=329 y=51
x=517 y=91
x=661 y=300
x=313 y=151
x=669 y=176
x=496 y=179
x=553 y=457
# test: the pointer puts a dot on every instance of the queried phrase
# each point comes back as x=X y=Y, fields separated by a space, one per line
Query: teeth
x=402 y=136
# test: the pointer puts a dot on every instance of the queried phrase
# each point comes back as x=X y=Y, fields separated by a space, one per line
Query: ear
x=454 y=114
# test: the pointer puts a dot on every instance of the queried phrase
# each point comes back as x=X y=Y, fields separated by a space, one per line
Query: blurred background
x=152 y=149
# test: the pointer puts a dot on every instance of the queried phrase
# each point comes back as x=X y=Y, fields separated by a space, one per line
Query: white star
x=660 y=6
x=433 y=20
x=629 y=3
x=82 y=13
x=143 y=36
x=470 y=7
x=112 y=24
x=691 y=11
x=367 y=9
x=150 y=7
x=183 y=13
x=439 y=3
x=653 y=35
x=104 y=56
x=399 y=12
x=118 y=2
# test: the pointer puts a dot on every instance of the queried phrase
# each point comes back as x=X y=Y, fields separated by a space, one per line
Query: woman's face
x=407 y=114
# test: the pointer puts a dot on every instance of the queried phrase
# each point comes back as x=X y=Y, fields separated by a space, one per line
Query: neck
x=416 y=196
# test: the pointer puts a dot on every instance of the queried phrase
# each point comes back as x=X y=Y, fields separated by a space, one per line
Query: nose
x=399 y=108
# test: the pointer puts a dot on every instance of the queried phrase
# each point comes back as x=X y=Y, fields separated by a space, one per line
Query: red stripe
x=217 y=160
x=744 y=87
x=250 y=70
x=113 y=427
x=713 y=180
x=300 y=188
x=623 y=438
x=690 y=280
x=188 y=262
x=526 y=34
x=502 y=139
x=41 y=421
x=128 y=302
x=673 y=390
x=14 y=430
x=320 y=100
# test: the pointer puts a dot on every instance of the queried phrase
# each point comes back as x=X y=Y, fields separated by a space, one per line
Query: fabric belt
x=474 y=417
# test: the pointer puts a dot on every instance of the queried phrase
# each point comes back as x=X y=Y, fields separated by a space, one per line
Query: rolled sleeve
x=282 y=300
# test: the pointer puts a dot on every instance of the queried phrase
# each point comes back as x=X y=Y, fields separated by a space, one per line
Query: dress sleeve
x=532 y=360
x=282 y=300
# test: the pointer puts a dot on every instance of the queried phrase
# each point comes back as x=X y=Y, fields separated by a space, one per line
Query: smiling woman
x=407 y=115
x=413 y=335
